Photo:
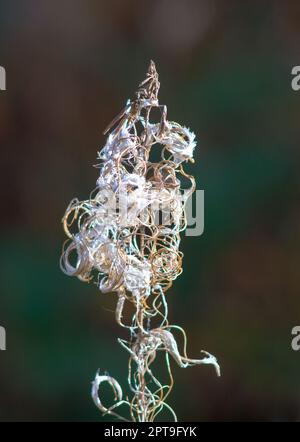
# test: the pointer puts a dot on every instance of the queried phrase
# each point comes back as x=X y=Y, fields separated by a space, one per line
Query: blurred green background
x=225 y=71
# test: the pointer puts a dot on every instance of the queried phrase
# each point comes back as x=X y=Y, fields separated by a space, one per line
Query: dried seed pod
x=127 y=236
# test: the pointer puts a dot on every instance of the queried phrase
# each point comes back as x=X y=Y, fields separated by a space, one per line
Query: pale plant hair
x=133 y=256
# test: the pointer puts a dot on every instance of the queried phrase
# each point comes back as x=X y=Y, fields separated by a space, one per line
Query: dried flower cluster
x=127 y=239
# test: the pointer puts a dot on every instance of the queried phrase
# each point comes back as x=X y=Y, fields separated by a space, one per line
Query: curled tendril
x=99 y=379
x=126 y=238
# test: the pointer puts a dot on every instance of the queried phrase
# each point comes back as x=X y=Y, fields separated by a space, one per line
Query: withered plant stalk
x=122 y=241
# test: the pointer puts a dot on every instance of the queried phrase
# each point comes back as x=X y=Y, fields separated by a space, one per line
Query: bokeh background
x=225 y=71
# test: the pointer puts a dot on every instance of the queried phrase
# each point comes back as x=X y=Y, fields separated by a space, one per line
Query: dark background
x=225 y=71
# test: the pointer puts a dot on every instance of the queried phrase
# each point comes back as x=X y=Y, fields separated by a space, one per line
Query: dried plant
x=120 y=243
